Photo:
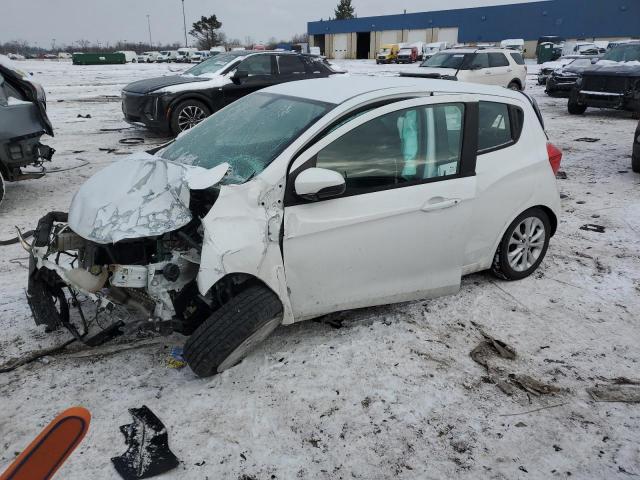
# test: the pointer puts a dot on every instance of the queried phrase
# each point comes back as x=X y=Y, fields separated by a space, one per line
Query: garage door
x=340 y=45
x=414 y=36
x=389 y=36
x=449 y=35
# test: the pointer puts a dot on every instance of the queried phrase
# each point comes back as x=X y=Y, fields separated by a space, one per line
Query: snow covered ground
x=391 y=394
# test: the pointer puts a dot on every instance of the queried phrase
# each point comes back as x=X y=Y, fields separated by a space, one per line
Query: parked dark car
x=173 y=104
x=563 y=79
x=547 y=68
x=613 y=82
x=635 y=159
x=23 y=120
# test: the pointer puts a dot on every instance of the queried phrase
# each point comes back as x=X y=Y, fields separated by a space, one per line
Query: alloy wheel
x=526 y=244
x=190 y=116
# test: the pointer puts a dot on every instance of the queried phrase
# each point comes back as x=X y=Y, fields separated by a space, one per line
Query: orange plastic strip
x=46 y=454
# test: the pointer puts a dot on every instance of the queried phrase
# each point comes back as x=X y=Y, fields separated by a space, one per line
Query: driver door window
x=402 y=148
x=257 y=65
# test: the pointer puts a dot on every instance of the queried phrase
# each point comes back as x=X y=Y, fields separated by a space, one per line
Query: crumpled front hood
x=140 y=196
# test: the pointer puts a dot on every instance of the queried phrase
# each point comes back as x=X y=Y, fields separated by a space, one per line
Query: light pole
x=184 y=20
x=149 y=24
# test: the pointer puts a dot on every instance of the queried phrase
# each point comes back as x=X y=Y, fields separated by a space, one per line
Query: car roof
x=477 y=50
x=339 y=89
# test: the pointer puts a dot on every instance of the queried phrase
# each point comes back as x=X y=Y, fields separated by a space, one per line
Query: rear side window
x=291 y=65
x=499 y=126
x=517 y=57
x=481 y=60
x=498 y=60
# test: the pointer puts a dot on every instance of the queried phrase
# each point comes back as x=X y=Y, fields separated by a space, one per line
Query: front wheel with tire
x=573 y=106
x=523 y=246
x=187 y=115
x=232 y=331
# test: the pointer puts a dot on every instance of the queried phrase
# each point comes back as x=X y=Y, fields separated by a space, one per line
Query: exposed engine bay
x=153 y=272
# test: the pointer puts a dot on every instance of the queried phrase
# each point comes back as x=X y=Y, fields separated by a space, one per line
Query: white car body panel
x=434 y=232
x=519 y=173
x=499 y=76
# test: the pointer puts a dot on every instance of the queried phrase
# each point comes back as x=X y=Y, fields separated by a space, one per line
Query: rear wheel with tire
x=635 y=163
x=232 y=331
x=514 y=86
x=523 y=246
x=187 y=115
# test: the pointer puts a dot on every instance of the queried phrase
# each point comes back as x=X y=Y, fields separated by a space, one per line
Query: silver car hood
x=140 y=196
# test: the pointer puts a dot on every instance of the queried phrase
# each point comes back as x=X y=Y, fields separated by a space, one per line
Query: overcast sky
x=112 y=20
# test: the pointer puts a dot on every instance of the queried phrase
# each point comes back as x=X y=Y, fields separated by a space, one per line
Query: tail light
x=555 y=157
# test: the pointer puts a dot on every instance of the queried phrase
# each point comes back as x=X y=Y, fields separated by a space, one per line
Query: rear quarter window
x=498 y=60
x=499 y=126
x=517 y=57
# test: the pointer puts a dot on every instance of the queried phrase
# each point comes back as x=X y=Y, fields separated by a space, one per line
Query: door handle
x=439 y=203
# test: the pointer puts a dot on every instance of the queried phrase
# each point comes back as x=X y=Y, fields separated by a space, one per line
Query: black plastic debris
x=88 y=115
x=590 y=227
x=587 y=139
x=148 y=454
x=132 y=141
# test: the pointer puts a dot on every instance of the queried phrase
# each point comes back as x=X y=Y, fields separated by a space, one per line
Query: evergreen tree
x=344 y=10
x=206 y=32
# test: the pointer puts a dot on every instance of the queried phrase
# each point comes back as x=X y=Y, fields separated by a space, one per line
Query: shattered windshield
x=248 y=135
x=624 y=53
x=214 y=63
x=445 y=60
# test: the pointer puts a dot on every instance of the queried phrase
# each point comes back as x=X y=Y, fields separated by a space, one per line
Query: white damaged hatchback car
x=299 y=200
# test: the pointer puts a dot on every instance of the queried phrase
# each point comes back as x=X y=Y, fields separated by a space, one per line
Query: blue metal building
x=571 y=19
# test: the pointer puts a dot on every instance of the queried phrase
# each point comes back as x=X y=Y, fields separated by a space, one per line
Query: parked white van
x=430 y=49
x=129 y=55
x=185 y=54
x=513 y=44
x=167 y=56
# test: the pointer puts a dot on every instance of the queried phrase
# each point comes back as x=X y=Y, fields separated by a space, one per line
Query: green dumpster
x=99 y=58
x=546 y=52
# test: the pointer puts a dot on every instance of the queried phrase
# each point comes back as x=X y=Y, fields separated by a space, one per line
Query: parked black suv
x=563 y=79
x=613 y=82
x=172 y=104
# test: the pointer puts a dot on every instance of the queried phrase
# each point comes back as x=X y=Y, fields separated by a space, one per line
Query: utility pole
x=149 y=24
x=184 y=19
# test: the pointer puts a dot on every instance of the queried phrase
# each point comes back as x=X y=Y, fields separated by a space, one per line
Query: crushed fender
x=148 y=454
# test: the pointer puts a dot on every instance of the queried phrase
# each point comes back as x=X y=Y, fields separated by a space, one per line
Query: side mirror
x=318 y=183
x=239 y=76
